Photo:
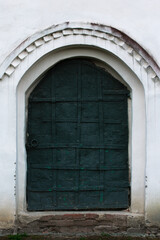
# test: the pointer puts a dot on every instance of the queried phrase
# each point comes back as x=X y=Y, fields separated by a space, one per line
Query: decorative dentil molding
x=106 y=33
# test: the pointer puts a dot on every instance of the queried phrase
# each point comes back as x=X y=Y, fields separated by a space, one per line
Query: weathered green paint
x=77 y=144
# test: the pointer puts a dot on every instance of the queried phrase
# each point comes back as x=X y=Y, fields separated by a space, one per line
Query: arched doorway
x=77 y=144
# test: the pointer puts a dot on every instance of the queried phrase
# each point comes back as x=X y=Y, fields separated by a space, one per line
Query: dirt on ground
x=50 y=237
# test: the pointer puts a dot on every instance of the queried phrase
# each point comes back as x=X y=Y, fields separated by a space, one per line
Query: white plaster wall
x=139 y=19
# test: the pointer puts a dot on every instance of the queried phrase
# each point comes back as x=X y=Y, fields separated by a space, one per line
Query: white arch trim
x=99 y=35
x=36 y=55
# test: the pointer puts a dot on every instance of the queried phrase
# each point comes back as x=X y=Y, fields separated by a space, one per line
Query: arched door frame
x=23 y=68
x=137 y=119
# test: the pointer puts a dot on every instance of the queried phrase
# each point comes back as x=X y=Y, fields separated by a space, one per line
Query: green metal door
x=77 y=140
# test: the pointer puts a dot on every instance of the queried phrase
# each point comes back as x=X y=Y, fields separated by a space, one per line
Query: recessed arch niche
x=136 y=116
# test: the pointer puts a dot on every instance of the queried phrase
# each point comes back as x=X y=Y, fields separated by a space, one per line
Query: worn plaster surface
x=31 y=31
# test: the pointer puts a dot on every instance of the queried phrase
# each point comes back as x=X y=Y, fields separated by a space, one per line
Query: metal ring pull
x=34 y=143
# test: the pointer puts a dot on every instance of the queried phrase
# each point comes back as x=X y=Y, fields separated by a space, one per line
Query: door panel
x=77 y=140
